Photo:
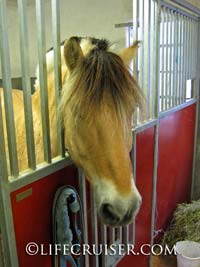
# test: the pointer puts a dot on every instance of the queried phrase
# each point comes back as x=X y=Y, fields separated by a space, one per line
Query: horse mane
x=101 y=78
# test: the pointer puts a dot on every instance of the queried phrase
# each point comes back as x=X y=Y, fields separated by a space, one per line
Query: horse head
x=98 y=99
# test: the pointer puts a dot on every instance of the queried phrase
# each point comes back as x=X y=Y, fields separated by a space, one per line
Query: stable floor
x=164 y=261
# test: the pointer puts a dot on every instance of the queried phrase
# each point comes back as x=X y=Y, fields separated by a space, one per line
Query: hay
x=185 y=224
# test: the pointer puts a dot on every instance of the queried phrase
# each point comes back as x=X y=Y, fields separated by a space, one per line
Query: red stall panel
x=144 y=174
x=32 y=215
x=176 y=140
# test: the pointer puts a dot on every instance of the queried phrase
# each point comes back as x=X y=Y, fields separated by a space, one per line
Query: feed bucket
x=188 y=254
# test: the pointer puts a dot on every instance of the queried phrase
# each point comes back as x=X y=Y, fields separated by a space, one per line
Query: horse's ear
x=72 y=53
x=128 y=54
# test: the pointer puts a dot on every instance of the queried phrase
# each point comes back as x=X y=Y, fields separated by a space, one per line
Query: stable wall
x=78 y=18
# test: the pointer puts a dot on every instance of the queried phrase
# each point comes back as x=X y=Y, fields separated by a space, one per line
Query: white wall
x=78 y=18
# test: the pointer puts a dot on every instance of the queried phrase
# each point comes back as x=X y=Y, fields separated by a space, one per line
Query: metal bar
x=146 y=53
x=43 y=170
x=112 y=235
x=6 y=219
x=104 y=242
x=174 y=62
x=186 y=56
x=179 y=58
x=133 y=159
x=125 y=24
x=141 y=36
x=95 y=258
x=119 y=234
x=163 y=59
x=57 y=71
x=82 y=188
x=24 y=51
x=126 y=234
x=135 y=34
x=166 y=63
x=157 y=108
x=5 y=66
x=190 y=47
x=43 y=79
x=146 y=125
x=188 y=62
x=184 y=61
x=180 y=10
x=170 y=60
x=197 y=83
x=194 y=49
x=152 y=60
x=194 y=152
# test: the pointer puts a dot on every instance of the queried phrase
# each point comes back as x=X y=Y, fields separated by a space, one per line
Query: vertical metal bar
x=166 y=62
x=184 y=61
x=82 y=188
x=104 y=242
x=24 y=51
x=181 y=59
x=170 y=60
x=157 y=108
x=162 y=58
x=40 y=18
x=141 y=27
x=112 y=235
x=119 y=234
x=146 y=58
x=193 y=49
x=126 y=234
x=197 y=87
x=188 y=49
x=5 y=66
x=94 y=228
x=152 y=65
x=135 y=34
x=57 y=70
x=6 y=219
x=175 y=60
x=186 y=52
x=133 y=159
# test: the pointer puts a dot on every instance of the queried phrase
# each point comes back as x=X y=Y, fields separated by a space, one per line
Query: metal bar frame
x=157 y=109
x=197 y=87
x=8 y=103
x=82 y=192
x=40 y=18
x=24 y=45
x=27 y=177
x=6 y=218
x=57 y=70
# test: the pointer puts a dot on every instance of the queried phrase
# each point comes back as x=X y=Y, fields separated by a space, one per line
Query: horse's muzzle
x=114 y=215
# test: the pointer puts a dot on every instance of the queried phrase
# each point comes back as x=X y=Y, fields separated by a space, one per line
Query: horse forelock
x=100 y=80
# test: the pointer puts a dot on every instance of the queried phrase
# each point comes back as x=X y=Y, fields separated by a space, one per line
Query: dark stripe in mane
x=101 y=44
x=102 y=79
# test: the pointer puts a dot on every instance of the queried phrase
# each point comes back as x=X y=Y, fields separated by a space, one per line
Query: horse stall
x=164 y=142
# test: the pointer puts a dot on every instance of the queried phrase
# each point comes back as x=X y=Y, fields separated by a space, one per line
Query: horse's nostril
x=108 y=213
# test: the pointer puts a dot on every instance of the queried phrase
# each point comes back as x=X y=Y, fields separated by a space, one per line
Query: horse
x=99 y=96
